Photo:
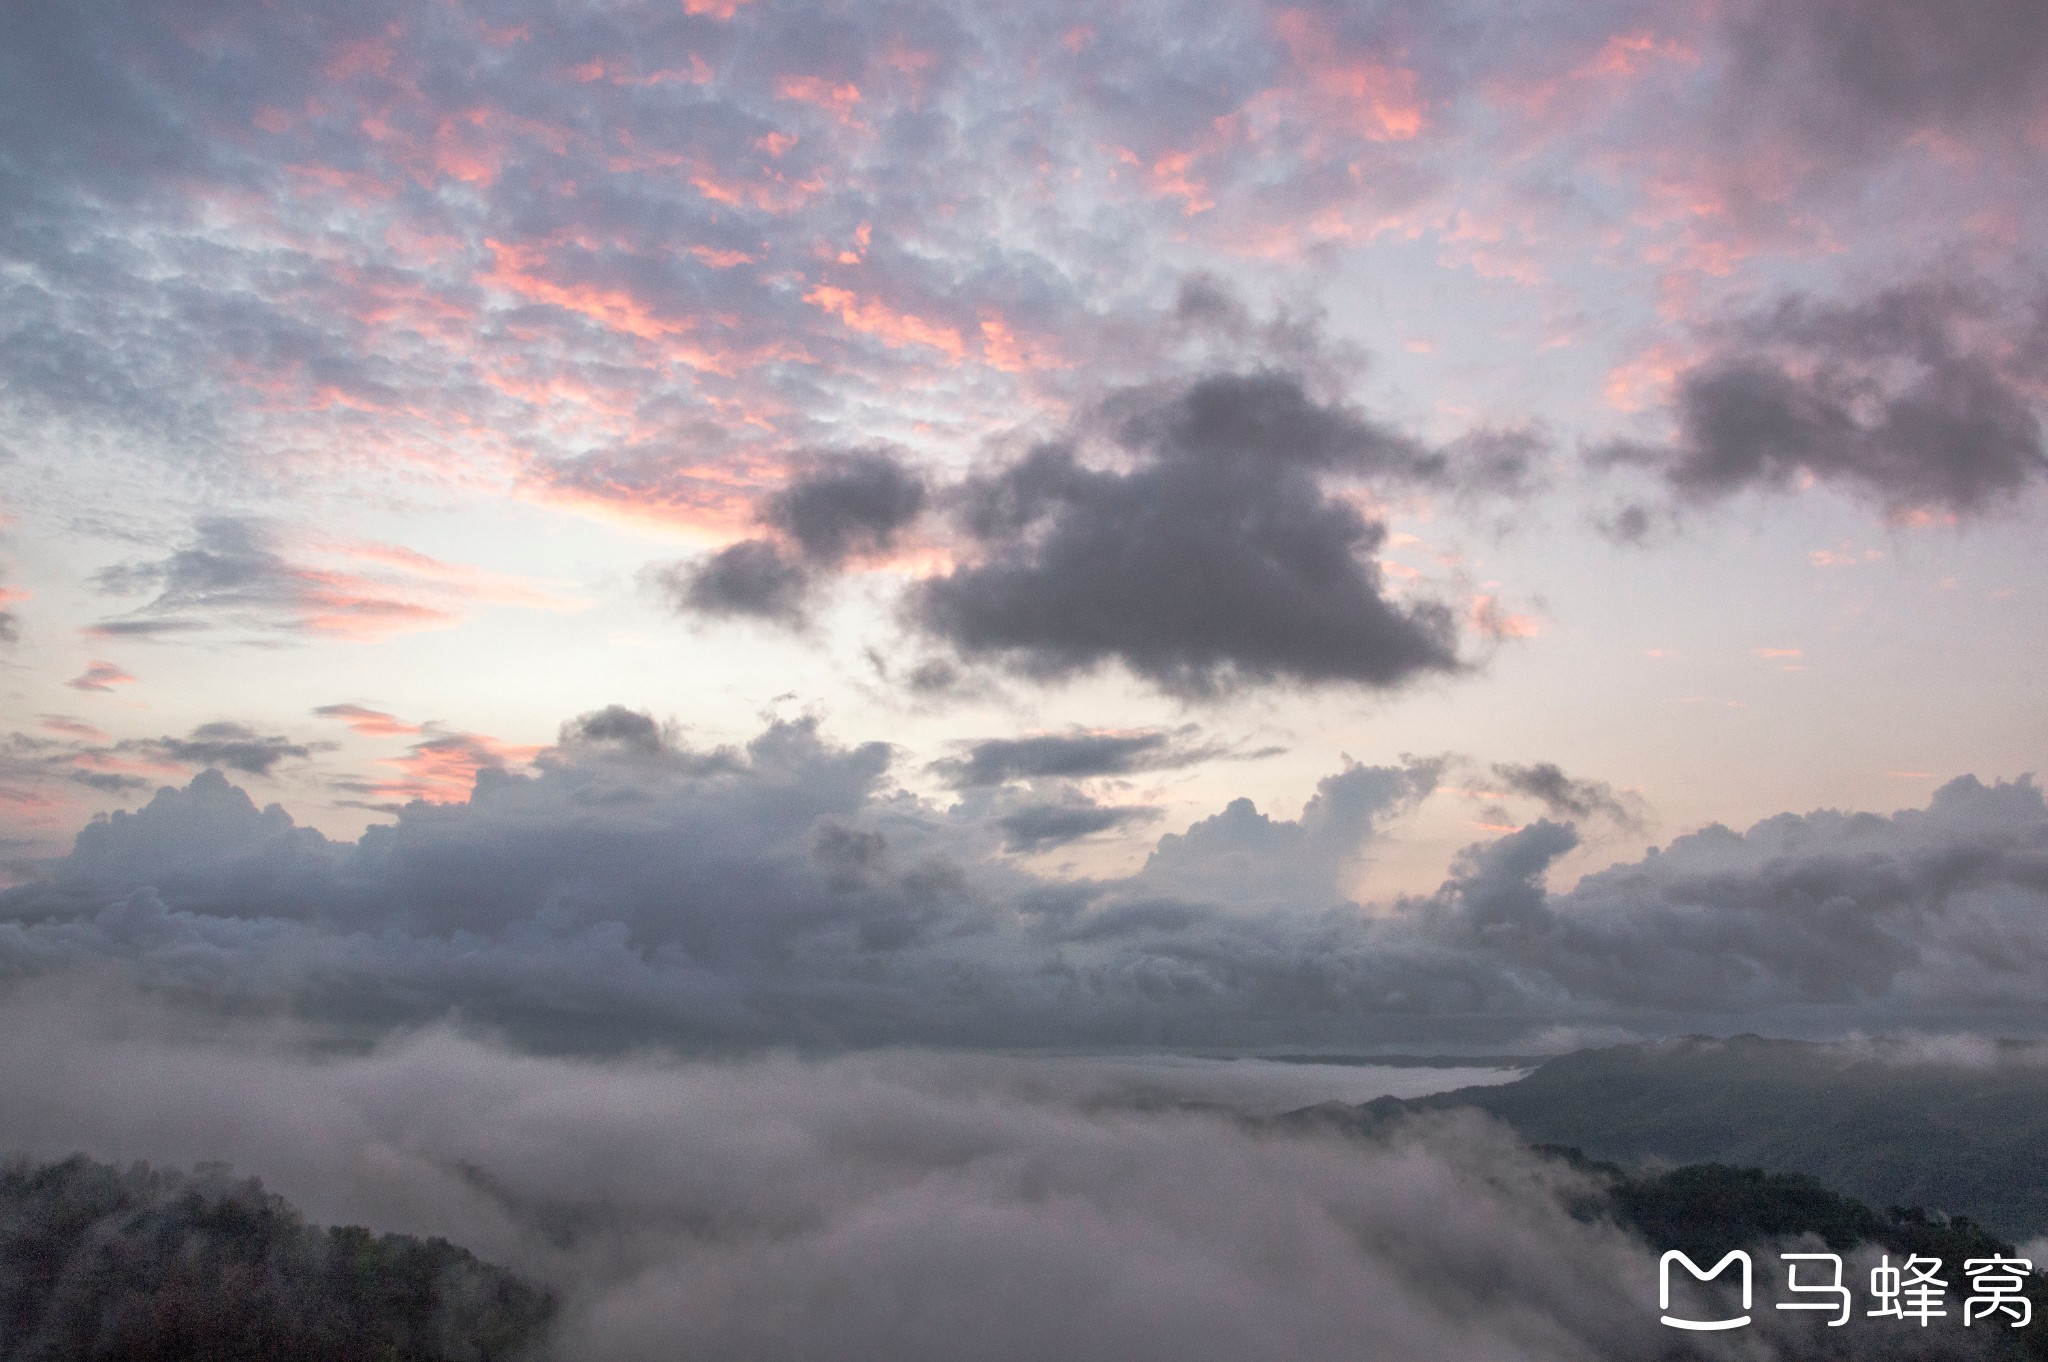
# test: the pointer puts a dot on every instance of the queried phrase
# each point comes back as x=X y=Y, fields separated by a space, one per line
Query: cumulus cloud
x=1919 y=397
x=1243 y=855
x=1190 y=531
x=1214 y=558
x=629 y=887
x=887 y=1206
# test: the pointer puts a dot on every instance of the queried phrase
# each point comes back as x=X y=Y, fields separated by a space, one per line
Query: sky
x=731 y=521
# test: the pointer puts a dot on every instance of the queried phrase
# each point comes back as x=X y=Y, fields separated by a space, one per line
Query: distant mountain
x=1892 y=1123
x=101 y=1264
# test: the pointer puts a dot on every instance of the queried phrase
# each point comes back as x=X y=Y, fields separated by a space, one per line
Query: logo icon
x=1664 y=1288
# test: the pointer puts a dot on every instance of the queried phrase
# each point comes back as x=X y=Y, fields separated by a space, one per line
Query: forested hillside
x=101 y=1264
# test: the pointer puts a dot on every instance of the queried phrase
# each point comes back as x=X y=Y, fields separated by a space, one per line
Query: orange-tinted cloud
x=838 y=98
x=469 y=583
x=373 y=723
x=442 y=769
x=1172 y=178
x=1487 y=617
x=721 y=259
x=1003 y=350
x=872 y=317
x=715 y=9
x=71 y=728
x=1645 y=381
x=521 y=271
x=1372 y=98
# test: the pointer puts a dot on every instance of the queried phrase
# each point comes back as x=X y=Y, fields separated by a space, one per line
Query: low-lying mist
x=896 y=1204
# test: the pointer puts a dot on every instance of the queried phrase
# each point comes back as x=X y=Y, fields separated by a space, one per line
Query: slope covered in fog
x=1958 y=1126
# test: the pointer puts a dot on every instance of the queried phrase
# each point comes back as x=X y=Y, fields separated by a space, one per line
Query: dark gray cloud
x=633 y=889
x=848 y=505
x=1039 y=825
x=30 y=764
x=1215 y=559
x=234 y=746
x=1919 y=397
x=1858 y=76
x=750 y=578
x=1073 y=755
x=840 y=507
x=81 y=755
x=618 y=727
x=1567 y=796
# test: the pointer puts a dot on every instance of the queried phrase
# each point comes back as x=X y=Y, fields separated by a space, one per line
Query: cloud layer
x=891 y=1206
x=633 y=888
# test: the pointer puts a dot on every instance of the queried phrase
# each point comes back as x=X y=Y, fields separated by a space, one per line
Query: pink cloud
x=373 y=723
x=442 y=769
x=897 y=330
x=100 y=677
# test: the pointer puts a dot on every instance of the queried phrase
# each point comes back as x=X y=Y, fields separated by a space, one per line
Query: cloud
x=10 y=620
x=750 y=578
x=624 y=887
x=1043 y=824
x=1243 y=856
x=101 y=677
x=1211 y=555
x=240 y=572
x=1566 y=796
x=848 y=505
x=1074 y=755
x=1919 y=398
x=233 y=574
x=909 y=1206
x=620 y=729
x=1856 y=78
x=840 y=507
x=1213 y=559
x=235 y=746
x=1825 y=913
x=205 y=825
x=81 y=755
x=442 y=767
x=373 y=723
